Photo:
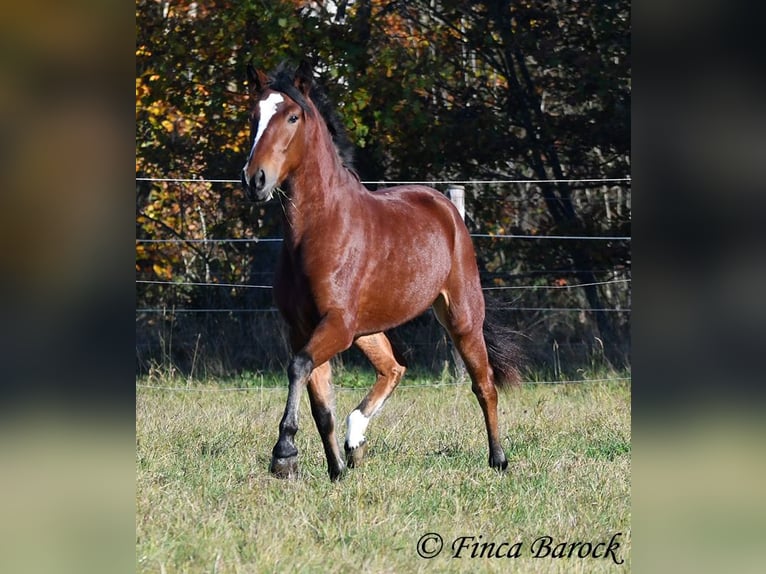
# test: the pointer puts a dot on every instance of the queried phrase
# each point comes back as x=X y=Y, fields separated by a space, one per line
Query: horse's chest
x=323 y=275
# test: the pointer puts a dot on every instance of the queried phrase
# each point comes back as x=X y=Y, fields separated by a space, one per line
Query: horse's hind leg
x=323 y=410
x=377 y=348
x=465 y=327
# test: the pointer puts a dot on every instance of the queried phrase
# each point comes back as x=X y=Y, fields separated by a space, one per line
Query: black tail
x=506 y=356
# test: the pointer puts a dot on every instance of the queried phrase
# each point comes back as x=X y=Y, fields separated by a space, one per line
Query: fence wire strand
x=361 y=389
x=498 y=288
x=409 y=182
x=477 y=235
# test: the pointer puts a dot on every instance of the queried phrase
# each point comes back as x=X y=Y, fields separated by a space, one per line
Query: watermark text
x=431 y=545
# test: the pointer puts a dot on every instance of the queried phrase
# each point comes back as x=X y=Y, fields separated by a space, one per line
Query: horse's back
x=414 y=197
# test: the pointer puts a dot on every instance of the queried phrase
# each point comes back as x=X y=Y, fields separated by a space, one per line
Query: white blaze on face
x=357 y=424
x=268 y=108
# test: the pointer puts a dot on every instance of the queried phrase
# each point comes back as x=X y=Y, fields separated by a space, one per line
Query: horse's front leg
x=331 y=336
x=284 y=456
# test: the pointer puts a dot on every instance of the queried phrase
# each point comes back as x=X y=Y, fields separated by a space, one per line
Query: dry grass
x=206 y=503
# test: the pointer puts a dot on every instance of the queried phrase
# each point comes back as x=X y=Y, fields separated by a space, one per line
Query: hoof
x=337 y=473
x=499 y=464
x=284 y=467
x=354 y=456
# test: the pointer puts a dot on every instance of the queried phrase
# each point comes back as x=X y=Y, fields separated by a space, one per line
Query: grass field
x=205 y=501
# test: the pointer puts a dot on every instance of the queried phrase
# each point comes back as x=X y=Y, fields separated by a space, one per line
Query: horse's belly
x=390 y=303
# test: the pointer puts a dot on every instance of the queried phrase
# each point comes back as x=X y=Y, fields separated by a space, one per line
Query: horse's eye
x=292 y=119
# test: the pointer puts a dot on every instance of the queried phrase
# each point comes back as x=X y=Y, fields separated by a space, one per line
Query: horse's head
x=279 y=107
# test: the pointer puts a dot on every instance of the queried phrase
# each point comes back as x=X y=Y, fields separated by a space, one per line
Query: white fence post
x=456 y=194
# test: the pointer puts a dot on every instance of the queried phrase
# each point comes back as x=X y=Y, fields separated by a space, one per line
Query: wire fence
x=619 y=279
x=255 y=240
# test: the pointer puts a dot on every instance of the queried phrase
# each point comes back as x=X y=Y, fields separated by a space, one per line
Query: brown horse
x=355 y=263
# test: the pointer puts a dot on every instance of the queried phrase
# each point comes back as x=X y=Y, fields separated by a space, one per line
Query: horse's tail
x=506 y=356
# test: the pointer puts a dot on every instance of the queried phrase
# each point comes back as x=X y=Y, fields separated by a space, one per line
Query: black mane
x=282 y=80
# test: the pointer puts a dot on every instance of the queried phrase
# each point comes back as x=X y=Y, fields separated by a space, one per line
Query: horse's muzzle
x=256 y=187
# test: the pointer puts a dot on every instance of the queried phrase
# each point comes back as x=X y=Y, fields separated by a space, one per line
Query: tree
x=428 y=90
x=536 y=89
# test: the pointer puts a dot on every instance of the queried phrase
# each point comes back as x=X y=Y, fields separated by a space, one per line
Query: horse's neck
x=317 y=193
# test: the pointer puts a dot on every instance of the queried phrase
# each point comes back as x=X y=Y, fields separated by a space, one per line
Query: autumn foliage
x=452 y=90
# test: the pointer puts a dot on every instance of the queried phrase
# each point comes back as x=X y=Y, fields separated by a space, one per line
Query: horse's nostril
x=261 y=178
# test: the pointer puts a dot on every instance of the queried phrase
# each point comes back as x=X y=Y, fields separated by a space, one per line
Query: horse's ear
x=304 y=78
x=256 y=80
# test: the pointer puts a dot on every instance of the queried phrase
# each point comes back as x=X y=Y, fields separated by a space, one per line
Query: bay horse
x=355 y=263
